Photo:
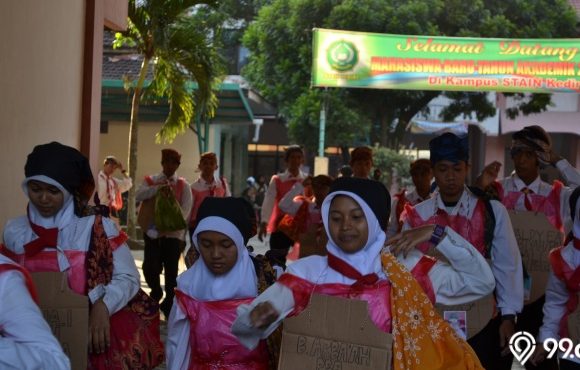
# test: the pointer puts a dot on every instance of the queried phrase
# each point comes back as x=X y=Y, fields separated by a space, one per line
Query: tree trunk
x=132 y=160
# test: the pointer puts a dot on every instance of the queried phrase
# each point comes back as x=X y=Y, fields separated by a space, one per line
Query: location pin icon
x=522 y=344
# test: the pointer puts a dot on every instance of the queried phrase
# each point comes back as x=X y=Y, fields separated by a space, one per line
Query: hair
x=420 y=165
x=110 y=159
x=345 y=170
x=361 y=153
x=321 y=180
x=292 y=149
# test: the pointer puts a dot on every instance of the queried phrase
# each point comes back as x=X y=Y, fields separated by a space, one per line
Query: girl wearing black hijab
x=55 y=235
x=208 y=294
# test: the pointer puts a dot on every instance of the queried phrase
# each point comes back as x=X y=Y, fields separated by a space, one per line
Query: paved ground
x=259 y=248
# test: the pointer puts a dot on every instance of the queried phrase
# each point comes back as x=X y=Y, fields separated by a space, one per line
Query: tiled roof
x=121 y=63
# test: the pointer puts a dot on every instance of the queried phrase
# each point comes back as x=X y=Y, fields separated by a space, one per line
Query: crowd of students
x=409 y=257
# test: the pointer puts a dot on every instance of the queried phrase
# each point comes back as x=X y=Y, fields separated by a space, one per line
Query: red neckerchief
x=350 y=272
x=47 y=238
x=576 y=244
x=527 y=202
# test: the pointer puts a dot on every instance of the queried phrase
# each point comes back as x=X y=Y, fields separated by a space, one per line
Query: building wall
x=115 y=142
x=41 y=70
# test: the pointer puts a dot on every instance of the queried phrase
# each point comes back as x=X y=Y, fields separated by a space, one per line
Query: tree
x=181 y=50
x=304 y=119
x=280 y=42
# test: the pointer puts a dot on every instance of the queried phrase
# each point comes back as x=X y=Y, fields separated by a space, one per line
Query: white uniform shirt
x=26 y=341
x=270 y=196
x=465 y=280
x=414 y=198
x=570 y=174
x=556 y=298
x=123 y=185
x=506 y=262
x=146 y=191
x=76 y=235
x=288 y=205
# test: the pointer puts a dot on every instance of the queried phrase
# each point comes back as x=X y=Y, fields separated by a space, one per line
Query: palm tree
x=186 y=68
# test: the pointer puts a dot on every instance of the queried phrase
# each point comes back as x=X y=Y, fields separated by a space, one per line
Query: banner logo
x=342 y=55
x=522 y=344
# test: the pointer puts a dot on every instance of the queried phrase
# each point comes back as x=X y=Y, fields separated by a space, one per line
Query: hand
x=409 y=239
x=507 y=328
x=553 y=157
x=166 y=190
x=99 y=330
x=488 y=175
x=263 y=231
x=539 y=355
x=263 y=315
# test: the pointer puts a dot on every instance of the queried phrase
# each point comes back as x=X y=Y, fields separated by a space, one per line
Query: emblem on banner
x=342 y=55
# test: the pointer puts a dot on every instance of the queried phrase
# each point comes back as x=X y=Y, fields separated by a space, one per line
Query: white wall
x=41 y=64
x=115 y=142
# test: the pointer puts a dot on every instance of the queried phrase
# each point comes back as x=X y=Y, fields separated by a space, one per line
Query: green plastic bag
x=168 y=215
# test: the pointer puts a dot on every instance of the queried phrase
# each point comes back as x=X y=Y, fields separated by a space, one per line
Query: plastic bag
x=168 y=216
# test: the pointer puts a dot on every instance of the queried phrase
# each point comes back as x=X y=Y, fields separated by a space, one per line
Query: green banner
x=380 y=61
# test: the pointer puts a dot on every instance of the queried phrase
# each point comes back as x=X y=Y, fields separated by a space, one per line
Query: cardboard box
x=478 y=313
x=334 y=333
x=574 y=324
x=67 y=314
x=536 y=237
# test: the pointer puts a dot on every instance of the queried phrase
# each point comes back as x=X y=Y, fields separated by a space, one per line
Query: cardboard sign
x=146 y=215
x=334 y=334
x=478 y=313
x=574 y=324
x=67 y=314
x=536 y=237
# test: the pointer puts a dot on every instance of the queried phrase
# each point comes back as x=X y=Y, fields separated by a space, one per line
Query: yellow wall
x=115 y=142
x=41 y=65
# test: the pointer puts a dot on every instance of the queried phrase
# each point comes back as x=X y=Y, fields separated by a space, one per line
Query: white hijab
x=63 y=217
x=240 y=282
x=365 y=261
x=17 y=234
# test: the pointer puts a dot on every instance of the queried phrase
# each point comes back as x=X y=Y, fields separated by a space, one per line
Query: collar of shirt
x=213 y=182
x=103 y=175
x=464 y=206
x=173 y=179
x=288 y=176
x=519 y=185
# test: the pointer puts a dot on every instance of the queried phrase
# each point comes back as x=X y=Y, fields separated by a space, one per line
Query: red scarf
x=350 y=272
x=576 y=243
x=47 y=238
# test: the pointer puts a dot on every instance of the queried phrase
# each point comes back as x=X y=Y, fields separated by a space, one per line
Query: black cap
x=236 y=210
x=449 y=147
x=374 y=193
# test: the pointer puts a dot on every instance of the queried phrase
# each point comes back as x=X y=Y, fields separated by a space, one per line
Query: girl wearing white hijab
x=210 y=291
x=354 y=217
x=26 y=341
x=56 y=236
x=562 y=291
